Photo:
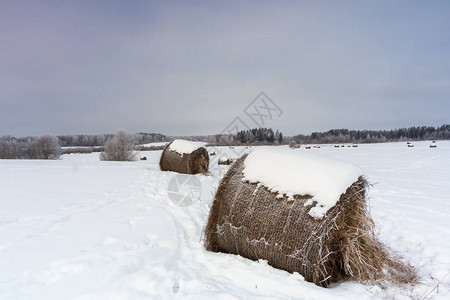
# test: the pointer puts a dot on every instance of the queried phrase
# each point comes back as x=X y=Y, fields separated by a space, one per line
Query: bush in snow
x=119 y=148
x=46 y=147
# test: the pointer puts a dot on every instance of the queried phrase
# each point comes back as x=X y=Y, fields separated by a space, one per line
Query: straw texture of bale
x=192 y=163
x=250 y=221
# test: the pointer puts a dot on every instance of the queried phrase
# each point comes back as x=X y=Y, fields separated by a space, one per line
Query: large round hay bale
x=250 y=220
x=184 y=157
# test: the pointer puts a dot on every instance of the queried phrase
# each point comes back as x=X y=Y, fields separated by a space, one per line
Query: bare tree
x=45 y=147
x=119 y=148
x=11 y=149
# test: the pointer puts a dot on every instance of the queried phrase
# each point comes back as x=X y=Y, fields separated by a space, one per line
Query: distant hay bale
x=194 y=162
x=249 y=220
x=225 y=161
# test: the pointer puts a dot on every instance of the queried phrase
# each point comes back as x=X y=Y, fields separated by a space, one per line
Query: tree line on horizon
x=255 y=136
x=260 y=135
x=266 y=136
x=49 y=147
x=44 y=147
x=94 y=140
x=419 y=133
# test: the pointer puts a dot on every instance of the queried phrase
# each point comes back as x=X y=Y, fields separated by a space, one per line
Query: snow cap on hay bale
x=184 y=157
x=302 y=213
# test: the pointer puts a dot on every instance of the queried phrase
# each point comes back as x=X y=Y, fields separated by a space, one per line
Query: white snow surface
x=81 y=228
x=290 y=173
x=185 y=147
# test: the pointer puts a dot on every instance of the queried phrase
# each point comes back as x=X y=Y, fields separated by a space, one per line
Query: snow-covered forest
x=418 y=133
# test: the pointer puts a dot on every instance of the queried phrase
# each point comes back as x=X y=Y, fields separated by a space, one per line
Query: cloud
x=192 y=68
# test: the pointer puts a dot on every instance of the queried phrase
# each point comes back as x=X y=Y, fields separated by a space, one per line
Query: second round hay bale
x=184 y=157
x=250 y=220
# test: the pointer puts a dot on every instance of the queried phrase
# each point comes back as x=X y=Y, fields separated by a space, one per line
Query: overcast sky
x=191 y=67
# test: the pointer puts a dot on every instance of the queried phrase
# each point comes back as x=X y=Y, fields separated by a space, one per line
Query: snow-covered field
x=155 y=144
x=81 y=228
